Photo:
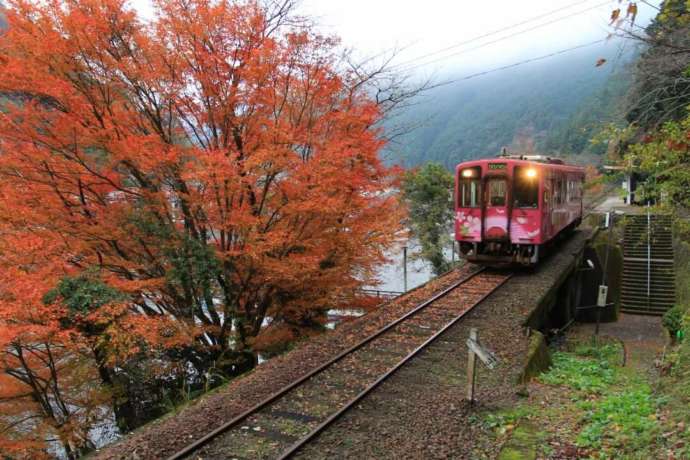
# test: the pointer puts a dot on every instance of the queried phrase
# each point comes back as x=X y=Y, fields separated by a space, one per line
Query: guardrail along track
x=282 y=423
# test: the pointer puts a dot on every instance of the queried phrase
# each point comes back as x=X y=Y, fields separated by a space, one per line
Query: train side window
x=496 y=192
x=556 y=192
x=469 y=188
x=559 y=191
x=572 y=196
x=525 y=187
x=575 y=190
x=564 y=191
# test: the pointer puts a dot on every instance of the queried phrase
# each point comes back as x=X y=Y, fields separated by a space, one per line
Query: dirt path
x=644 y=339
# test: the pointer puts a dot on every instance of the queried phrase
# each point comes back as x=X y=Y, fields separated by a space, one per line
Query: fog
x=439 y=37
x=421 y=30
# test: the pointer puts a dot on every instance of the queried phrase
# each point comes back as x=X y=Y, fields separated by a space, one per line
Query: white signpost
x=477 y=350
x=601 y=298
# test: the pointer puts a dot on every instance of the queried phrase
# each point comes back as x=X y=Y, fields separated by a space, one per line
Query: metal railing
x=380 y=293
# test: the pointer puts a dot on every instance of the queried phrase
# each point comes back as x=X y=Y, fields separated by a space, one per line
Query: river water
x=391 y=275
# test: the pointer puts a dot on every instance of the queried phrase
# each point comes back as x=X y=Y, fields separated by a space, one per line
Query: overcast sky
x=420 y=29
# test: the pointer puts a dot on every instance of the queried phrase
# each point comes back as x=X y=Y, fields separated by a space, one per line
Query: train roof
x=555 y=163
x=537 y=158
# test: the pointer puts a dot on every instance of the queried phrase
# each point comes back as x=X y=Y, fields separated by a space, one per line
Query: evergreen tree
x=428 y=193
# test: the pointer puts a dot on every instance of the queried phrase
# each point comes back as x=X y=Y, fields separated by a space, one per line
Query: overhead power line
x=520 y=32
x=497 y=31
x=516 y=64
x=479 y=37
x=649 y=4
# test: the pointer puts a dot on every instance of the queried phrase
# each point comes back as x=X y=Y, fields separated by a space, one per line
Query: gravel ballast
x=419 y=413
x=161 y=438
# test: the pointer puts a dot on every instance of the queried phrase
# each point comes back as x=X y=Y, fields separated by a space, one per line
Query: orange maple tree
x=190 y=183
x=49 y=389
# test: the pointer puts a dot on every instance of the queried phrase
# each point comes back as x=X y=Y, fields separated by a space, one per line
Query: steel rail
x=196 y=445
x=330 y=420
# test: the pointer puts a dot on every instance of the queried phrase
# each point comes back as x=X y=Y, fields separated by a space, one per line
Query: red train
x=508 y=208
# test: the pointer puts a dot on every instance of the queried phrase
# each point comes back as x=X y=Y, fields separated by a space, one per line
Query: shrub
x=673 y=320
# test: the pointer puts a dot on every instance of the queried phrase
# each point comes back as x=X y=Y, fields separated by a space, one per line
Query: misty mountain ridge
x=552 y=107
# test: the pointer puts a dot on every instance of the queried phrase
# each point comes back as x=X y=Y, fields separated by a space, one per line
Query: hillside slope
x=553 y=105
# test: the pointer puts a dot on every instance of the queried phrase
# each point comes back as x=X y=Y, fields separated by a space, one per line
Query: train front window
x=468 y=188
x=526 y=187
x=496 y=191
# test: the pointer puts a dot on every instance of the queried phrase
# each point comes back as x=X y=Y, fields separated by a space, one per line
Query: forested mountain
x=553 y=106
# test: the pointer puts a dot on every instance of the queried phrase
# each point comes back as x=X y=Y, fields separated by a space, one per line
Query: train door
x=468 y=213
x=496 y=208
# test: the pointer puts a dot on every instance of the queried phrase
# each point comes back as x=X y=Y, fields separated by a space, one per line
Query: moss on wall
x=522 y=445
x=538 y=357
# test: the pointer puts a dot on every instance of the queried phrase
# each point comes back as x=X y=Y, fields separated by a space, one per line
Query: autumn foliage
x=169 y=189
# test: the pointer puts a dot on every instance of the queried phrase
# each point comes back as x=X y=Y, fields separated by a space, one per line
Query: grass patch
x=624 y=422
x=504 y=421
x=589 y=369
x=616 y=408
x=596 y=409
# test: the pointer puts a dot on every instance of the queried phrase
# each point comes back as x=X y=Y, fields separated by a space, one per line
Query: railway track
x=280 y=425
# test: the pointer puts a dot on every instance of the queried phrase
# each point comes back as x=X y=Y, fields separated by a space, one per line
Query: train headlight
x=467 y=173
x=531 y=173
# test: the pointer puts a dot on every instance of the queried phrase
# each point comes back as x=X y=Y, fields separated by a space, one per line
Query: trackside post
x=476 y=350
x=471 y=367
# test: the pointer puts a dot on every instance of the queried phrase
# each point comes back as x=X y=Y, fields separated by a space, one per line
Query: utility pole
x=405 y=268
x=603 y=288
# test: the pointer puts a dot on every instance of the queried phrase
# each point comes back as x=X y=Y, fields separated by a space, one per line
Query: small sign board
x=497 y=166
x=486 y=356
x=603 y=293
